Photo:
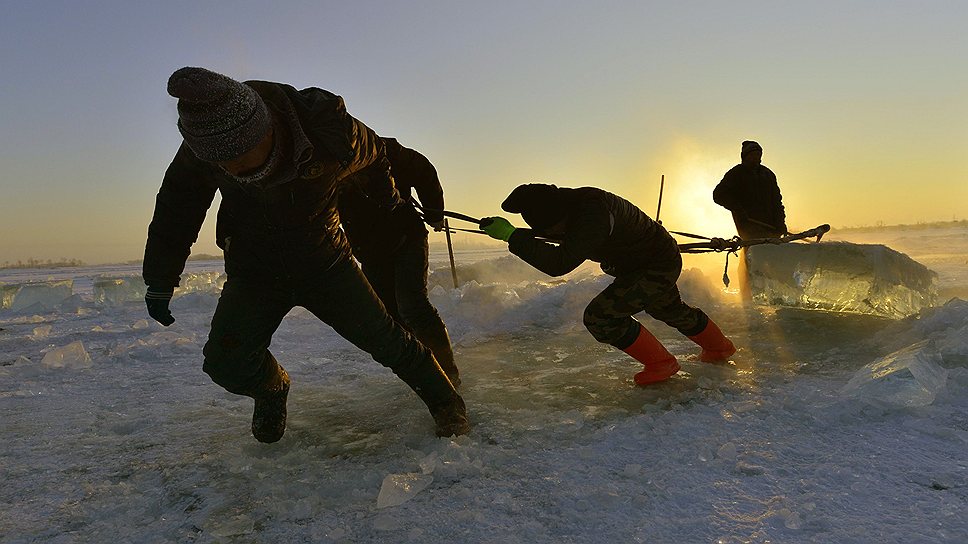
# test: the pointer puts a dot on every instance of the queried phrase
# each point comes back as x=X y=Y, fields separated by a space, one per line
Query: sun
x=691 y=171
x=687 y=199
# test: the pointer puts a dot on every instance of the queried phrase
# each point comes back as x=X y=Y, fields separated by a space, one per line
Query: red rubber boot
x=716 y=348
x=659 y=363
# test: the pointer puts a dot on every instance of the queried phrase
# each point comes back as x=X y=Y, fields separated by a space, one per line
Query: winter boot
x=715 y=346
x=269 y=415
x=659 y=363
x=437 y=340
x=446 y=406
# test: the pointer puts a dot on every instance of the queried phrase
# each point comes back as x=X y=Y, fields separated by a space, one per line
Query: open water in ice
x=824 y=427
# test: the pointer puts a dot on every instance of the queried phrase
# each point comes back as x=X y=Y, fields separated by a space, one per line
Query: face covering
x=267 y=168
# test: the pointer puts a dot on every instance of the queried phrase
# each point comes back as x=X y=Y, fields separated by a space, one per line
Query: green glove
x=498 y=228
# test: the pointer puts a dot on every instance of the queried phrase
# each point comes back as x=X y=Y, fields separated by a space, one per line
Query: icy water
x=133 y=443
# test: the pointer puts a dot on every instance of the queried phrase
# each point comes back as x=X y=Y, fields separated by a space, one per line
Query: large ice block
x=44 y=294
x=840 y=277
x=118 y=289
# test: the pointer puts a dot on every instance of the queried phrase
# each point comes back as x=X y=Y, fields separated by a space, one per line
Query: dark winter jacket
x=750 y=191
x=285 y=228
x=370 y=229
x=601 y=227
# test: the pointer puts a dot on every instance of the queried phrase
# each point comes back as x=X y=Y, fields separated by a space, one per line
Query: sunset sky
x=861 y=106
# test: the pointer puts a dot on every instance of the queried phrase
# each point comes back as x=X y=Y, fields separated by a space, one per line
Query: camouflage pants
x=609 y=315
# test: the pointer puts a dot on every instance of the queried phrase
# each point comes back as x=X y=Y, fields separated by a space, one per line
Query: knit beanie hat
x=540 y=204
x=220 y=118
x=750 y=146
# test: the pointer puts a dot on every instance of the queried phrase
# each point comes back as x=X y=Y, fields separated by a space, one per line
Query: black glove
x=435 y=220
x=157 y=299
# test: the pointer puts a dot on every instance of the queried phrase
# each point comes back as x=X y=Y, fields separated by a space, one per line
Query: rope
x=447 y=213
x=686 y=234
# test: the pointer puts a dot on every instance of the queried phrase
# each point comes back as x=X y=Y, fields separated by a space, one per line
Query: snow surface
x=120 y=437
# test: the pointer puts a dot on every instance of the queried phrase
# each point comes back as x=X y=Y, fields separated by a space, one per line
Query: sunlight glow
x=687 y=204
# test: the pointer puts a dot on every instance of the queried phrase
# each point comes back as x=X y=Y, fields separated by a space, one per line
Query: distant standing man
x=392 y=246
x=592 y=224
x=750 y=191
x=278 y=155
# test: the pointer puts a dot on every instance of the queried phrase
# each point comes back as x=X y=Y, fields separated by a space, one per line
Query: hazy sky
x=861 y=106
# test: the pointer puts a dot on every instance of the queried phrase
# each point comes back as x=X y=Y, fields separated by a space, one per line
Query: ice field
x=825 y=427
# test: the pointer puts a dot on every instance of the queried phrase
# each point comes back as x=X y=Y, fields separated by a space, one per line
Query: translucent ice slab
x=840 y=277
x=400 y=488
x=6 y=295
x=72 y=355
x=911 y=377
x=115 y=290
x=44 y=295
x=118 y=289
x=205 y=282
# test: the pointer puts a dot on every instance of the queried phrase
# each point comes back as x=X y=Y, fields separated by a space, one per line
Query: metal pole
x=659 y=209
x=450 y=251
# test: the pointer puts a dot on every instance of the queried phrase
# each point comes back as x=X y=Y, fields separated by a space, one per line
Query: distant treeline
x=192 y=257
x=37 y=263
x=204 y=257
x=929 y=225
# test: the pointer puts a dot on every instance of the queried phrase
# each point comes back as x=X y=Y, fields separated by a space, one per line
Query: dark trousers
x=609 y=315
x=249 y=311
x=400 y=280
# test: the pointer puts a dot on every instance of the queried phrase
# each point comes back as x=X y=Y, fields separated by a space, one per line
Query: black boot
x=446 y=406
x=269 y=415
x=435 y=337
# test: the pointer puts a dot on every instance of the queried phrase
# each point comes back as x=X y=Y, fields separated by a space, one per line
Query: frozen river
x=127 y=440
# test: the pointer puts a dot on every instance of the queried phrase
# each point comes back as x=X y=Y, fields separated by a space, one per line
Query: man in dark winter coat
x=277 y=155
x=592 y=224
x=392 y=247
x=750 y=191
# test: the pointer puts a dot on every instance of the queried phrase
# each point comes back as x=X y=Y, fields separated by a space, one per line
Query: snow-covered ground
x=790 y=442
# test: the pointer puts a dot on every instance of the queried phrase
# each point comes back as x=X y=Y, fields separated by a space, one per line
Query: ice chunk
x=40 y=332
x=840 y=277
x=791 y=520
x=912 y=377
x=205 y=282
x=400 y=488
x=44 y=295
x=727 y=451
x=72 y=355
x=6 y=295
x=140 y=324
x=428 y=463
x=73 y=304
x=946 y=326
x=118 y=289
